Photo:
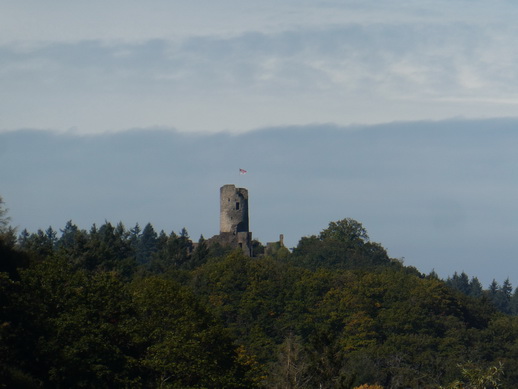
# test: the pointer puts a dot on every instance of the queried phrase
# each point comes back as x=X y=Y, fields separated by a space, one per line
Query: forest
x=112 y=307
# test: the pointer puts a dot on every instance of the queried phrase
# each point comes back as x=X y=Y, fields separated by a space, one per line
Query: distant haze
x=440 y=194
x=238 y=65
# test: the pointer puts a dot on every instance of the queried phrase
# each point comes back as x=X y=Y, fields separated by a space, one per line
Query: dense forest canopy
x=115 y=307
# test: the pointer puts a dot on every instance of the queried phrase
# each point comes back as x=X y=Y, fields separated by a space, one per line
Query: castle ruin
x=233 y=208
x=233 y=222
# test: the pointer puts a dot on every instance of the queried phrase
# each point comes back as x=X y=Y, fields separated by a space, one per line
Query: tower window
x=237 y=205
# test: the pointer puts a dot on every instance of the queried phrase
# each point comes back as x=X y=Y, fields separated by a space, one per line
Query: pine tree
x=4 y=219
x=200 y=253
x=475 y=287
x=513 y=303
x=147 y=244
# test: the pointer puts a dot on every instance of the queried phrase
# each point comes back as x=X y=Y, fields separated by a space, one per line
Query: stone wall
x=233 y=223
x=233 y=209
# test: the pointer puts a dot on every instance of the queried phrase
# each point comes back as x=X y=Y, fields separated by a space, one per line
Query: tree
x=12 y=372
x=74 y=327
x=108 y=248
x=493 y=288
x=134 y=236
x=477 y=377
x=503 y=297
x=147 y=244
x=507 y=289
x=500 y=296
x=179 y=248
x=73 y=242
x=41 y=244
x=343 y=245
x=257 y=248
x=475 y=288
x=4 y=219
x=346 y=230
x=460 y=282
x=68 y=235
x=291 y=369
x=514 y=302
x=11 y=258
x=200 y=253
x=184 y=345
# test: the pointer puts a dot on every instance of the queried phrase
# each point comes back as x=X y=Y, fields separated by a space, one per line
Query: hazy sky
x=381 y=103
x=100 y=66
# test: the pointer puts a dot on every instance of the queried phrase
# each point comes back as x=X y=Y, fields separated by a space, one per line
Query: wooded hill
x=112 y=307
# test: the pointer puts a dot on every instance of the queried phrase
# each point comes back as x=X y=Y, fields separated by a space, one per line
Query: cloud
x=254 y=65
x=134 y=21
x=440 y=194
x=342 y=74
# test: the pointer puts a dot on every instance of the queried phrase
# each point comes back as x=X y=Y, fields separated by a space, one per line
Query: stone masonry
x=233 y=223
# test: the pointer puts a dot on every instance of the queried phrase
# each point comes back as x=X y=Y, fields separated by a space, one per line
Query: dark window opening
x=237 y=206
x=241 y=245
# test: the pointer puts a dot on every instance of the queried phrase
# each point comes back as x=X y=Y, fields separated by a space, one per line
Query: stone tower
x=233 y=209
x=233 y=222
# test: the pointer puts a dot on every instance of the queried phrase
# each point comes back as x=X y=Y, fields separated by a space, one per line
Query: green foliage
x=10 y=259
x=257 y=248
x=291 y=370
x=116 y=308
x=10 y=373
x=348 y=231
x=200 y=254
x=183 y=345
x=41 y=244
x=249 y=295
x=4 y=219
x=475 y=288
x=74 y=326
x=407 y=329
x=313 y=253
x=460 y=282
x=343 y=245
x=147 y=244
x=477 y=377
x=174 y=252
x=500 y=296
x=90 y=329
x=72 y=242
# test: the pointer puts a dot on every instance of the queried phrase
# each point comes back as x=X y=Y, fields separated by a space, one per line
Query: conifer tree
x=475 y=287
x=4 y=219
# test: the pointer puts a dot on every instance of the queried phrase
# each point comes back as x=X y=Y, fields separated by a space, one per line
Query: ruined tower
x=233 y=209
x=233 y=223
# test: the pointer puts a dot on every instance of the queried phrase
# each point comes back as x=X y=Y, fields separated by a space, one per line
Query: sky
x=239 y=65
x=107 y=83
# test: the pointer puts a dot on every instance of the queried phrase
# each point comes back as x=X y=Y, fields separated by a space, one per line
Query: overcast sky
x=238 y=65
x=401 y=73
